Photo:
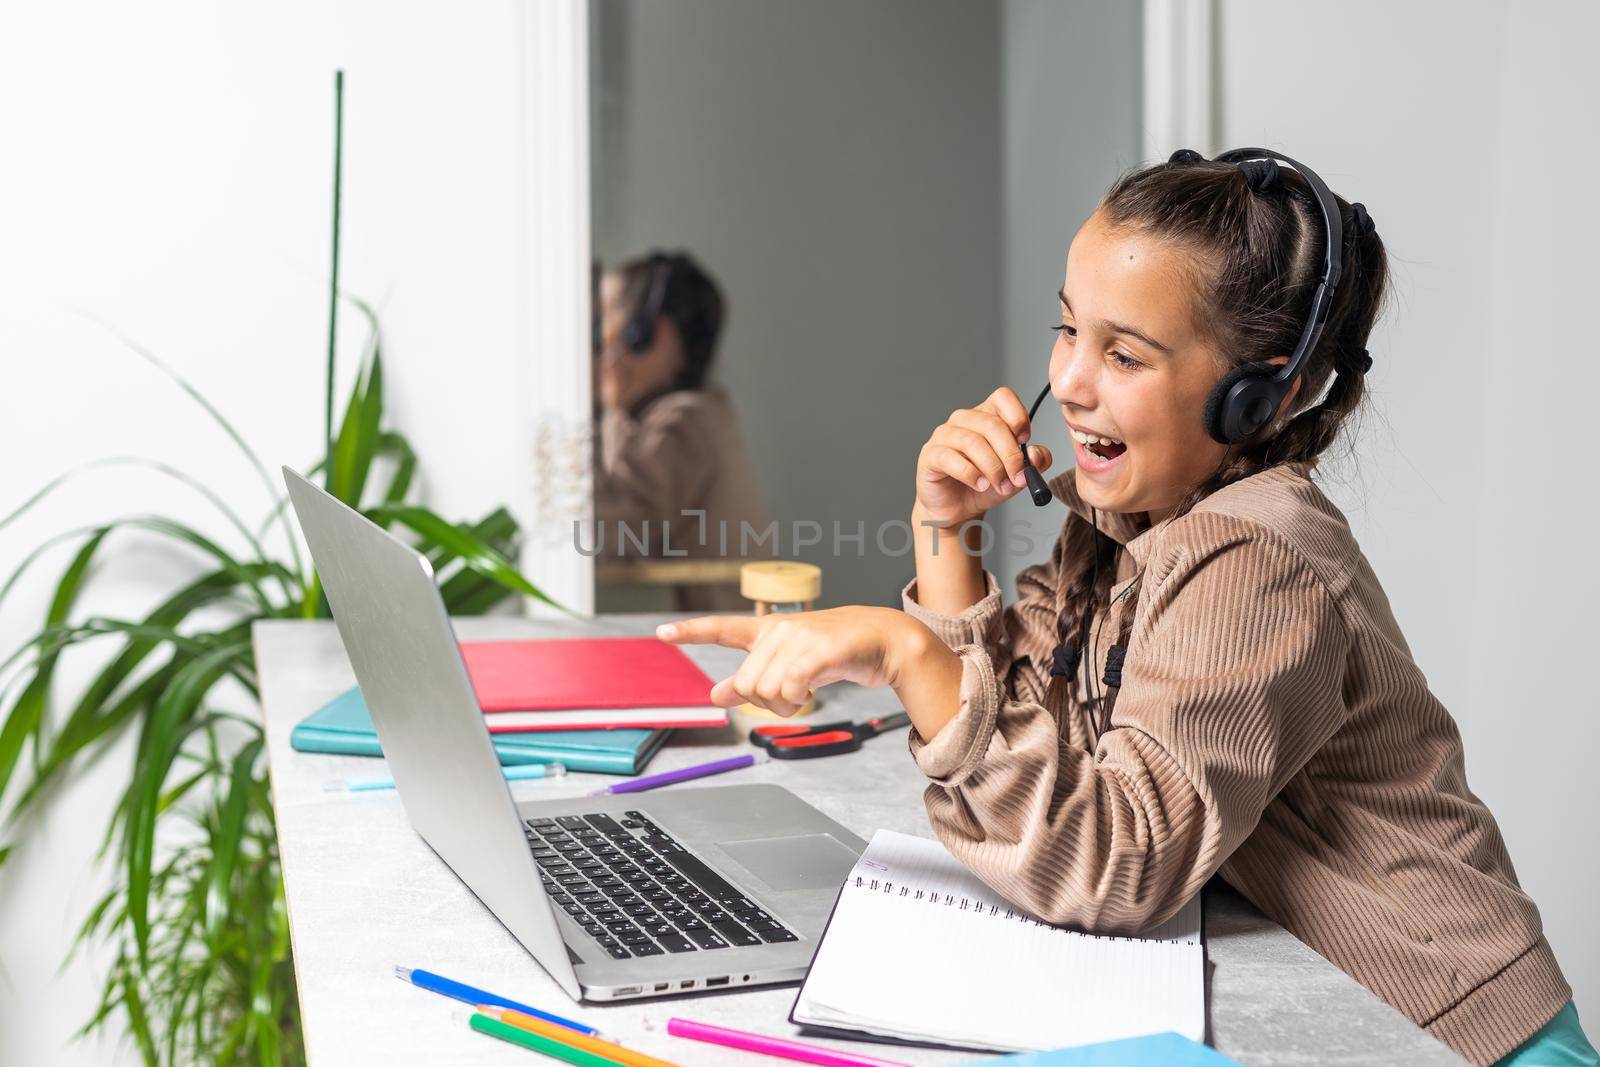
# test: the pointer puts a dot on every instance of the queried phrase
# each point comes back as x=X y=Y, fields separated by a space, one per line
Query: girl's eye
x=1124 y=361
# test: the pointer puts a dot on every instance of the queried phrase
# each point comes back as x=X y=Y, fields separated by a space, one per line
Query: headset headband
x=1332 y=256
x=640 y=330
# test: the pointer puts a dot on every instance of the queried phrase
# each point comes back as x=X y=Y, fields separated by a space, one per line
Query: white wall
x=1467 y=130
x=168 y=167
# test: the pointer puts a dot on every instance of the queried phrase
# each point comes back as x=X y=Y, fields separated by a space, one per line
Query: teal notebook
x=1168 y=1049
x=343 y=727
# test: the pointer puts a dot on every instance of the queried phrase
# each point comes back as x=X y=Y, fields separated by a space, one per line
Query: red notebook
x=589 y=683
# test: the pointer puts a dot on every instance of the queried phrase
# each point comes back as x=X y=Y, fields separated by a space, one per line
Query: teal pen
x=514 y=773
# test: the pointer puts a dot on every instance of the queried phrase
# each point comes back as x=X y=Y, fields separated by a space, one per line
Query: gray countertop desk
x=365 y=893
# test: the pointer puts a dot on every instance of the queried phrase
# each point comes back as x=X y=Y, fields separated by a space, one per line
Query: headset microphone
x=1036 y=487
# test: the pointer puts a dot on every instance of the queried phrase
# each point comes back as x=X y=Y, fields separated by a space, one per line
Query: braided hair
x=1256 y=238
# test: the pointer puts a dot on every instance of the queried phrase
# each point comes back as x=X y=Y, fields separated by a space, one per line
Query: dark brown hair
x=1256 y=245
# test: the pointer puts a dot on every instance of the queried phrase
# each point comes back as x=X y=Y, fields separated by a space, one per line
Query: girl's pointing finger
x=729 y=631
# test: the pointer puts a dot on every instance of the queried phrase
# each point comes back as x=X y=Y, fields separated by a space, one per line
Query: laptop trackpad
x=804 y=861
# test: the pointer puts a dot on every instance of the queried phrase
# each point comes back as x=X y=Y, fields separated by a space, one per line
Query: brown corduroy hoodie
x=1270 y=726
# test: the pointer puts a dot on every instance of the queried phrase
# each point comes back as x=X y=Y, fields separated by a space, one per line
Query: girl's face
x=1129 y=365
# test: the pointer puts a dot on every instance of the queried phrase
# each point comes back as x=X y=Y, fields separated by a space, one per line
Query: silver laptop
x=617 y=897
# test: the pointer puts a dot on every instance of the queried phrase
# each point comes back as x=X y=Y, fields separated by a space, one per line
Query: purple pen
x=652 y=781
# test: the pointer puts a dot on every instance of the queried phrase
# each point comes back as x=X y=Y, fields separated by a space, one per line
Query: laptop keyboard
x=638 y=892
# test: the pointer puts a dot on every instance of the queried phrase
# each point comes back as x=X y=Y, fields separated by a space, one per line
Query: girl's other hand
x=792 y=654
x=973 y=461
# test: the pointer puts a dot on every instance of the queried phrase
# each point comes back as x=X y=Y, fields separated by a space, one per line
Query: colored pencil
x=438 y=983
x=772 y=1046
x=683 y=774
x=486 y=1024
x=599 y=1047
x=515 y=773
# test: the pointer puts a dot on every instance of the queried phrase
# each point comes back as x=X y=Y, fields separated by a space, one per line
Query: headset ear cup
x=638 y=332
x=1221 y=416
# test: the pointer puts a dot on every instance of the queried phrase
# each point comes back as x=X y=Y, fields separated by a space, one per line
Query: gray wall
x=837 y=165
x=1070 y=119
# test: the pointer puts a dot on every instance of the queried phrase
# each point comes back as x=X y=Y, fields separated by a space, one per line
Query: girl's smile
x=1095 y=454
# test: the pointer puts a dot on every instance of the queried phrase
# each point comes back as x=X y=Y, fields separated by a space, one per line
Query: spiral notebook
x=918 y=949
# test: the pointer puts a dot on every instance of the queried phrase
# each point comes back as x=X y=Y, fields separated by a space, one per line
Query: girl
x=1241 y=701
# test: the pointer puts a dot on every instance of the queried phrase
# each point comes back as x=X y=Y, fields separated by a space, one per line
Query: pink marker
x=772 y=1046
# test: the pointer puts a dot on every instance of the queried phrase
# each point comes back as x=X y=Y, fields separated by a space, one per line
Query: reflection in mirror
x=673 y=480
x=830 y=224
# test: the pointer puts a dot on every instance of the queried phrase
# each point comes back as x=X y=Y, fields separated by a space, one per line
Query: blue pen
x=438 y=984
x=514 y=773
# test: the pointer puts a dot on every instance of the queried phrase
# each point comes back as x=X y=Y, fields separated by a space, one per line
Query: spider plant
x=195 y=920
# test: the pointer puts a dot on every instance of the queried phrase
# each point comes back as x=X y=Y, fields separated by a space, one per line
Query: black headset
x=640 y=329
x=1237 y=408
x=1245 y=399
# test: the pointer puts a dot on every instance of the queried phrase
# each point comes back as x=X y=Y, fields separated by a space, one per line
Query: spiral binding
x=950 y=900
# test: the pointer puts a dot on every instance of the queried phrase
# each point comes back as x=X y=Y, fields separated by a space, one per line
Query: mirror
x=818 y=229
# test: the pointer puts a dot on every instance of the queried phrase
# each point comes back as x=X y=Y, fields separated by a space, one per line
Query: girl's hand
x=974 y=460
x=792 y=654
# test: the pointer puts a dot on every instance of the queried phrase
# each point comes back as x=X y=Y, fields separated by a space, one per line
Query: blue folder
x=1167 y=1050
x=344 y=727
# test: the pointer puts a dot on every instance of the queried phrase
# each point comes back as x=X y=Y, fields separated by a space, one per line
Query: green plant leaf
x=140 y=462
x=39 y=550
x=211 y=410
x=198 y=923
x=473 y=551
x=105 y=721
x=99 y=710
x=359 y=438
x=138 y=1020
x=27 y=717
x=158 y=748
x=397 y=448
x=249 y=575
x=228 y=840
x=333 y=274
x=241 y=572
x=465 y=591
x=281 y=502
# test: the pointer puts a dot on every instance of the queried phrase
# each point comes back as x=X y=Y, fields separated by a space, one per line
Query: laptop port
x=629 y=990
x=716 y=981
x=687 y=983
x=661 y=986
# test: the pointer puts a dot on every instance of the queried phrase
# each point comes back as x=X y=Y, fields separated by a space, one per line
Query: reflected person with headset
x=669 y=438
x=1205 y=677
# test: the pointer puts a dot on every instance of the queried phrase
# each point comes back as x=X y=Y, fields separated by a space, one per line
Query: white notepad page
x=920 y=949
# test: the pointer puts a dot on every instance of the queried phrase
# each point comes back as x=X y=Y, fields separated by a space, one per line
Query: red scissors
x=799 y=741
